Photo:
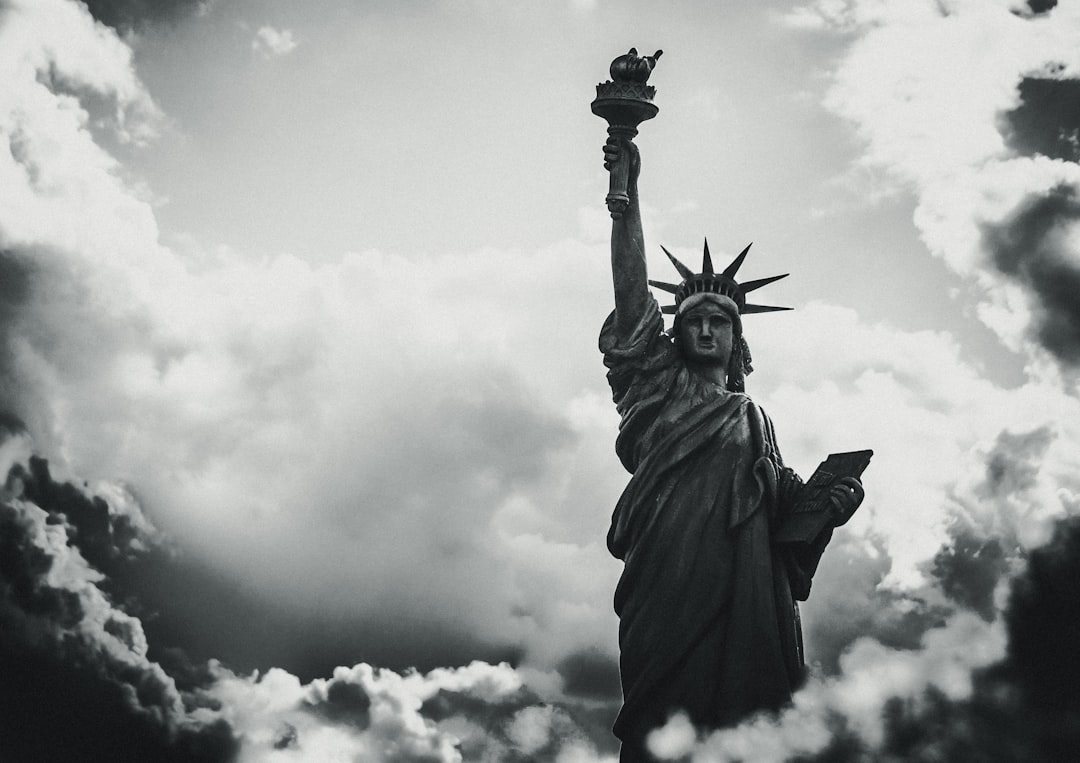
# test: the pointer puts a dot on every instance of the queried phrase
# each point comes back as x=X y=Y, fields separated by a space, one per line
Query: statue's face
x=706 y=335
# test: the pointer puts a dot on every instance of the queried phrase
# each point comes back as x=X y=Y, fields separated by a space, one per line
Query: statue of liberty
x=707 y=600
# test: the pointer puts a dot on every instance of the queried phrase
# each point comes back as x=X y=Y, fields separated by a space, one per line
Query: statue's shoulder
x=752 y=409
x=647 y=340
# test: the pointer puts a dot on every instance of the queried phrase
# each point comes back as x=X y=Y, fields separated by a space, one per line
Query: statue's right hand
x=620 y=149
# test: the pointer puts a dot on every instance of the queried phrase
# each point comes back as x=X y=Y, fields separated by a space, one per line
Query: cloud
x=475 y=712
x=590 y=673
x=1041 y=6
x=389 y=386
x=270 y=41
x=77 y=680
x=70 y=651
x=943 y=96
x=850 y=707
x=909 y=646
x=1024 y=707
x=1038 y=247
x=972 y=687
x=394 y=457
x=1047 y=119
x=1044 y=622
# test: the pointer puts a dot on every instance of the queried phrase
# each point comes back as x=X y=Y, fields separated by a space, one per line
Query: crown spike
x=668 y=309
x=751 y=285
x=706 y=261
x=763 y=309
x=684 y=271
x=733 y=268
x=670 y=288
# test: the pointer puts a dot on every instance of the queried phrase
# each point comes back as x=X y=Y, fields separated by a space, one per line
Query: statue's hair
x=739 y=365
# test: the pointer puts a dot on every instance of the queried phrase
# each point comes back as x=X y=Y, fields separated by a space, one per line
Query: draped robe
x=708 y=620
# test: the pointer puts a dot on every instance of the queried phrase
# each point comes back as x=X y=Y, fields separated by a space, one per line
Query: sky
x=309 y=449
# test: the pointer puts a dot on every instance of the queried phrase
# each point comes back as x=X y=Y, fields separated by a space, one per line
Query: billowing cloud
x=1037 y=247
x=404 y=460
x=916 y=665
x=953 y=102
x=1001 y=689
x=78 y=683
x=82 y=680
x=1047 y=118
x=388 y=379
x=476 y=712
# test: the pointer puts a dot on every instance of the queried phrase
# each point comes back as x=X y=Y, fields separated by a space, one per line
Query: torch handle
x=618 y=198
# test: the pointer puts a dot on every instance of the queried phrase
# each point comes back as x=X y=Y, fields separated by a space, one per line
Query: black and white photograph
x=577 y=381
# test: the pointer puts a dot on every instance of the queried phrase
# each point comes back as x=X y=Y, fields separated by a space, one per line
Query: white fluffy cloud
x=927 y=86
x=376 y=422
x=478 y=711
x=871 y=675
x=271 y=41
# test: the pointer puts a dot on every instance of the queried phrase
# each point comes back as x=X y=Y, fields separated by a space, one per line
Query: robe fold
x=708 y=622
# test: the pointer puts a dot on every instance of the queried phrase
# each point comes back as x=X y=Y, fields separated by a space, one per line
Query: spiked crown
x=708 y=281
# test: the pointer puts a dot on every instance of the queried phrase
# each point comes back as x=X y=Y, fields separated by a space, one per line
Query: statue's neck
x=713 y=373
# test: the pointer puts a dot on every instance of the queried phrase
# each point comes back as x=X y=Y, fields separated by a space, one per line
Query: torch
x=625 y=101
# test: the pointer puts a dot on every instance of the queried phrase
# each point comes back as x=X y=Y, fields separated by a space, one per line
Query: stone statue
x=707 y=601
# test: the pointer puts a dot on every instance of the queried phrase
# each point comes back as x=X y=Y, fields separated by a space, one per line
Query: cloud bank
x=405 y=460
x=68 y=634
x=206 y=372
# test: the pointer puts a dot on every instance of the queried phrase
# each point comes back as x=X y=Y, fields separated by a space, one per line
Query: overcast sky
x=308 y=294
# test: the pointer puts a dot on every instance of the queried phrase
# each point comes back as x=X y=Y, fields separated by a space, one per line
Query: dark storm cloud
x=1025 y=707
x=1032 y=247
x=54 y=706
x=969 y=569
x=1041 y=6
x=564 y=721
x=346 y=702
x=15 y=284
x=1047 y=121
x=978 y=555
x=84 y=680
x=591 y=674
x=447 y=703
x=1013 y=463
x=62 y=696
x=136 y=14
x=10 y=424
x=67 y=692
x=854 y=604
x=203 y=613
x=105 y=539
x=1043 y=622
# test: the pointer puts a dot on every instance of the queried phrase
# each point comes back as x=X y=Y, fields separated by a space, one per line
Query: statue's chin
x=701 y=358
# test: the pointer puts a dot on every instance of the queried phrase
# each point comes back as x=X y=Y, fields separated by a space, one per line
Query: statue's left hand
x=846 y=495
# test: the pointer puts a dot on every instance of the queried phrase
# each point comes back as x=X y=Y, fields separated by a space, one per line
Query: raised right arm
x=627 y=244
